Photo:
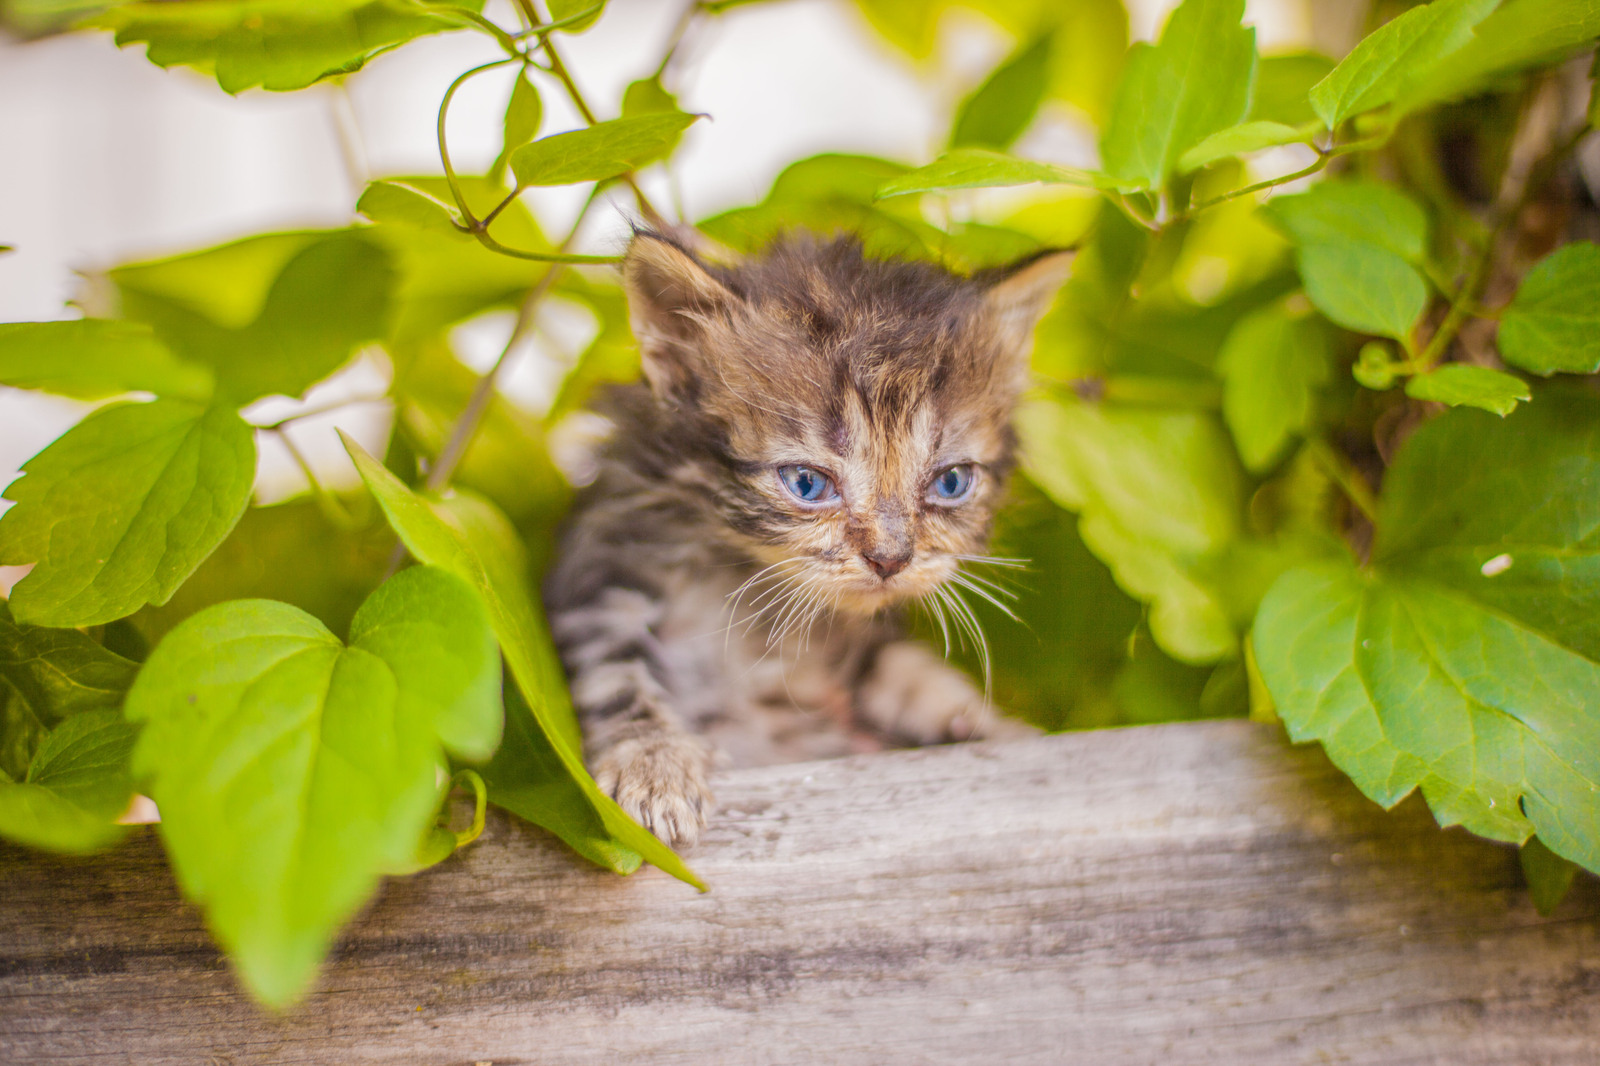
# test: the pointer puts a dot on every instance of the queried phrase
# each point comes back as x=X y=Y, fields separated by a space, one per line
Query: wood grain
x=1173 y=894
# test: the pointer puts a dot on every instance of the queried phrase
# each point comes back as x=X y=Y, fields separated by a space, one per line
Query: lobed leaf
x=1553 y=323
x=605 y=150
x=92 y=358
x=292 y=770
x=1466 y=661
x=1470 y=386
x=1176 y=93
x=121 y=509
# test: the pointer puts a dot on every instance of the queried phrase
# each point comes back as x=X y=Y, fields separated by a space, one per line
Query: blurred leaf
x=276 y=44
x=909 y=24
x=1273 y=364
x=1376 y=368
x=1519 y=35
x=288 y=552
x=611 y=357
x=602 y=151
x=122 y=508
x=1549 y=876
x=331 y=294
x=405 y=205
x=291 y=770
x=524 y=113
x=1283 y=86
x=1377 y=69
x=1553 y=323
x=1000 y=109
x=1242 y=139
x=974 y=168
x=36 y=816
x=1366 y=212
x=1465 y=662
x=1472 y=386
x=1091 y=40
x=469 y=538
x=571 y=13
x=1175 y=94
x=649 y=97
x=90 y=358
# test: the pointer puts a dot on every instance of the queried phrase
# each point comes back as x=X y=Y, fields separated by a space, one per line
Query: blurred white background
x=110 y=159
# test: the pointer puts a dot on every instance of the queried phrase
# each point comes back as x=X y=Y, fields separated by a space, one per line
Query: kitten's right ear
x=670 y=297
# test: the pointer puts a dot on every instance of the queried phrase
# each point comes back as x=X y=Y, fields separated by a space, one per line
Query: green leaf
x=576 y=15
x=36 y=816
x=602 y=151
x=1091 y=41
x=1519 y=35
x=123 y=507
x=976 y=168
x=538 y=773
x=648 y=96
x=1466 y=660
x=1378 y=68
x=1282 y=85
x=398 y=203
x=1553 y=323
x=1175 y=94
x=292 y=770
x=1362 y=212
x=524 y=113
x=1272 y=365
x=1549 y=876
x=328 y=294
x=84 y=761
x=1000 y=109
x=90 y=358
x=1237 y=140
x=276 y=44
x=1363 y=288
x=1472 y=386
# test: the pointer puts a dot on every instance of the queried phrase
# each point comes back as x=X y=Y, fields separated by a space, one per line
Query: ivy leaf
x=1272 y=365
x=399 y=203
x=1238 y=140
x=602 y=151
x=120 y=510
x=292 y=770
x=314 y=298
x=1553 y=323
x=1000 y=109
x=976 y=168
x=91 y=358
x=576 y=16
x=1466 y=661
x=1175 y=94
x=1376 y=70
x=280 y=44
x=1471 y=386
x=538 y=773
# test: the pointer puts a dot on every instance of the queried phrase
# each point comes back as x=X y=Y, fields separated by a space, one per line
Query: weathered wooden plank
x=1183 y=893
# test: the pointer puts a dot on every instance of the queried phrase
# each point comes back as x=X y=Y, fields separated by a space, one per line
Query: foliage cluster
x=1326 y=454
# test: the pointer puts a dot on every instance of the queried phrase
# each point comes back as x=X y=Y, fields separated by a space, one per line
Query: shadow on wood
x=1178 y=893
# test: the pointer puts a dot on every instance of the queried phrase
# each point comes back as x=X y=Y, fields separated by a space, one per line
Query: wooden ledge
x=1174 y=894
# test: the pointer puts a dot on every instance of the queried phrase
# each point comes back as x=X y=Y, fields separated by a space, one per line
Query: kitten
x=820 y=438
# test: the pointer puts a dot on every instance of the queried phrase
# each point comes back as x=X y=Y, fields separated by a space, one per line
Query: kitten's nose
x=885 y=564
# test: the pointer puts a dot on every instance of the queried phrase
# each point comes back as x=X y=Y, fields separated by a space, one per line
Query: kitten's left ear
x=670 y=295
x=1020 y=294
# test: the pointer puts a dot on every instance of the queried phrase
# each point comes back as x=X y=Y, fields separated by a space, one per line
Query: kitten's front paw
x=660 y=780
x=915 y=697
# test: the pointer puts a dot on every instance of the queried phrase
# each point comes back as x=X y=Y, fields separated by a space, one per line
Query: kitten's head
x=849 y=418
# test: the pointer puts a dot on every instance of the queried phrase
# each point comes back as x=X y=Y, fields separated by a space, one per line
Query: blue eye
x=807 y=484
x=953 y=482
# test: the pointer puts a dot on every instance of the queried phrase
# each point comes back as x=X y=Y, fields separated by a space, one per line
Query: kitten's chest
x=764 y=677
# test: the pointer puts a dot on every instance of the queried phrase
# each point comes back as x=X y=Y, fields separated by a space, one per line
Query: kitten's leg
x=913 y=696
x=634 y=743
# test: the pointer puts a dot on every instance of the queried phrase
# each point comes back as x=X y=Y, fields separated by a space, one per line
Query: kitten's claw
x=660 y=781
x=915 y=697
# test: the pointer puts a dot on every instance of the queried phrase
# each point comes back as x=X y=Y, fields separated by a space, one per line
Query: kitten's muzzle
x=887 y=564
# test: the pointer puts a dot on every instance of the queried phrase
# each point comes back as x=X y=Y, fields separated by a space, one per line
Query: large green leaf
x=538 y=773
x=1272 y=366
x=602 y=151
x=92 y=358
x=1553 y=323
x=123 y=507
x=276 y=44
x=999 y=110
x=1175 y=94
x=1465 y=661
x=329 y=294
x=1378 y=68
x=292 y=770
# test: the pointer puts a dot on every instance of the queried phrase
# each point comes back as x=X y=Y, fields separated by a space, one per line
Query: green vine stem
x=480 y=804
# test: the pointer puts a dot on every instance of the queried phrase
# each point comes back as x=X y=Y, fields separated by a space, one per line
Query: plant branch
x=1355 y=488
x=444 y=147
x=329 y=504
x=321 y=409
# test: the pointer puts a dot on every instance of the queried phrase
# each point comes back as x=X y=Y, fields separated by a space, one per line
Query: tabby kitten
x=820 y=438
